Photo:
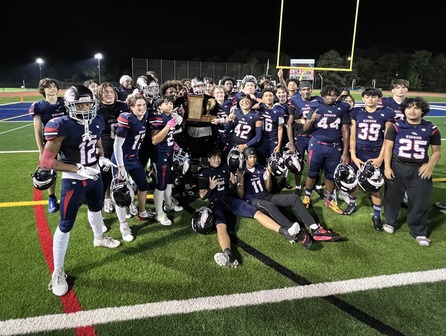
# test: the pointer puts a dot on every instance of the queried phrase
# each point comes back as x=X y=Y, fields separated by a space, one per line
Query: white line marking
x=141 y=311
x=14 y=129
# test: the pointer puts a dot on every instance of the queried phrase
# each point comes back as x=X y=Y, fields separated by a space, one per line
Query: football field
x=166 y=282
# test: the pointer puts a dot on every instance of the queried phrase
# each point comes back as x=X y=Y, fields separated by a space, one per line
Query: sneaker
x=377 y=224
x=351 y=208
x=441 y=205
x=294 y=229
x=306 y=201
x=388 y=228
x=53 y=206
x=174 y=207
x=298 y=191
x=223 y=259
x=133 y=210
x=126 y=232
x=323 y=234
x=304 y=239
x=164 y=220
x=145 y=215
x=104 y=228
x=333 y=206
x=423 y=241
x=58 y=283
x=109 y=207
x=106 y=242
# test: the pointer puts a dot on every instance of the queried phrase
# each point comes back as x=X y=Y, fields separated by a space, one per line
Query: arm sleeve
x=256 y=138
x=117 y=148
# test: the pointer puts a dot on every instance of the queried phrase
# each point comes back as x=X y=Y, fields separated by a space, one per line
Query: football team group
x=237 y=148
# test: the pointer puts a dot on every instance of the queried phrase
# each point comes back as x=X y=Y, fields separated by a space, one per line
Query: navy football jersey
x=157 y=121
x=133 y=130
x=411 y=142
x=223 y=110
x=300 y=109
x=46 y=110
x=272 y=118
x=75 y=148
x=244 y=126
x=328 y=126
x=221 y=175
x=370 y=126
x=254 y=181
x=390 y=102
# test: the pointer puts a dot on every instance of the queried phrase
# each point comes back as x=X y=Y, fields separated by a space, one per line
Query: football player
x=77 y=137
x=162 y=126
x=329 y=124
x=368 y=125
x=223 y=189
x=258 y=183
x=408 y=168
x=130 y=133
x=109 y=108
x=42 y=111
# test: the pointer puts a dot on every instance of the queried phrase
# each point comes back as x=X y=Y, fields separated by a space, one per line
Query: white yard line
x=141 y=311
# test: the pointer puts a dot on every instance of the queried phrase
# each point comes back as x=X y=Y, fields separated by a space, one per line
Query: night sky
x=76 y=31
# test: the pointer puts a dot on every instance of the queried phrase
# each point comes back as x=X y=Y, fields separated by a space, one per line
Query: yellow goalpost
x=278 y=66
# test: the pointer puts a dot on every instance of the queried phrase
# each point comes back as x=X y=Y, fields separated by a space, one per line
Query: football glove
x=122 y=174
x=171 y=123
x=88 y=172
x=105 y=164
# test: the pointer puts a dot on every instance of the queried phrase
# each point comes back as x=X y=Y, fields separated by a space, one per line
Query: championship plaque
x=195 y=106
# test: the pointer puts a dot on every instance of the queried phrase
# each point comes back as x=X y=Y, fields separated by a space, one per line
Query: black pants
x=269 y=204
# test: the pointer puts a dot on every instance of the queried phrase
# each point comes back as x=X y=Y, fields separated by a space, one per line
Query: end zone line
x=164 y=308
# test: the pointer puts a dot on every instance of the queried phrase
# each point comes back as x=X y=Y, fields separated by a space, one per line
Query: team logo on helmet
x=43 y=178
x=277 y=164
x=345 y=178
x=235 y=160
x=203 y=220
x=121 y=193
x=370 y=178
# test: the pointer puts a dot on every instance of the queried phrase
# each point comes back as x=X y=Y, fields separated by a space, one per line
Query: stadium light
x=98 y=56
x=40 y=62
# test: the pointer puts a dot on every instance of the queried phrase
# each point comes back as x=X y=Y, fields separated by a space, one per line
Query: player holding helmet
x=78 y=139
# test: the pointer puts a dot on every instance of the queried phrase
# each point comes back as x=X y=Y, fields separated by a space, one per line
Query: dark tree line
x=425 y=70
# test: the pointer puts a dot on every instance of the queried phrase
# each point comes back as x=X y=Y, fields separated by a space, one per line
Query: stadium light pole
x=98 y=56
x=40 y=62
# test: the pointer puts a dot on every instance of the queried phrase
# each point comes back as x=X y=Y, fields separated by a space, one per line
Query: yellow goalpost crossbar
x=350 y=68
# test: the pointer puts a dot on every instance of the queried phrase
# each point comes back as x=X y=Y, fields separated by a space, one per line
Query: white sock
x=60 y=246
x=121 y=213
x=95 y=219
x=158 y=199
x=168 y=195
x=314 y=226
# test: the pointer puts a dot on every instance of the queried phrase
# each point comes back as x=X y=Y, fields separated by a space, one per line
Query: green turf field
x=166 y=282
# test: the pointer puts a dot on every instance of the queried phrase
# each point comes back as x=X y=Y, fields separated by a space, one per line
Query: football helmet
x=148 y=86
x=43 y=178
x=203 y=220
x=79 y=94
x=370 y=178
x=345 y=178
x=197 y=85
x=277 y=164
x=248 y=78
x=293 y=162
x=121 y=193
x=181 y=161
x=235 y=160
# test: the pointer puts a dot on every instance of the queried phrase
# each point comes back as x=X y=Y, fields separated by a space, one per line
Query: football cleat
x=306 y=201
x=58 y=283
x=351 y=208
x=106 y=242
x=331 y=204
x=324 y=235
x=377 y=224
x=304 y=239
